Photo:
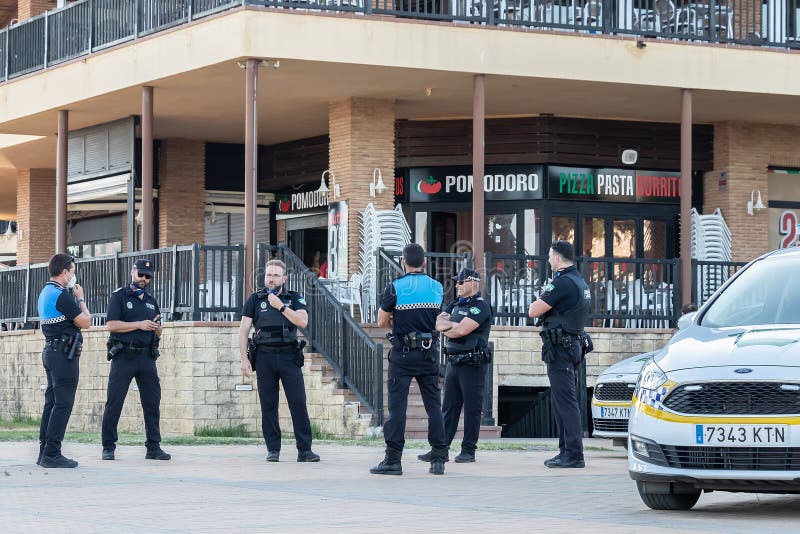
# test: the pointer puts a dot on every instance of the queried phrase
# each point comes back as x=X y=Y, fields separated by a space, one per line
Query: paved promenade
x=232 y=489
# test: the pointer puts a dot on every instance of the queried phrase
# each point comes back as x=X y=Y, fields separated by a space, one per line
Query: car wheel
x=668 y=501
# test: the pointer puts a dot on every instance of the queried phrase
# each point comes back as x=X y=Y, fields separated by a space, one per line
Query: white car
x=718 y=409
x=613 y=393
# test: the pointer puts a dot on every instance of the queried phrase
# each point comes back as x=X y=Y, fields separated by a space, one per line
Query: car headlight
x=652 y=376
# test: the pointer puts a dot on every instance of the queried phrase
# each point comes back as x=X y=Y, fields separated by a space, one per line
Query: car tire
x=668 y=501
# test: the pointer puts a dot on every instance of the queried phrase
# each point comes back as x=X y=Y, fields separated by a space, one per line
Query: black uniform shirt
x=562 y=294
x=124 y=305
x=478 y=310
x=256 y=305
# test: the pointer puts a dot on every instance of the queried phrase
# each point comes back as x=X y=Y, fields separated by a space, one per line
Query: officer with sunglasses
x=465 y=324
x=134 y=322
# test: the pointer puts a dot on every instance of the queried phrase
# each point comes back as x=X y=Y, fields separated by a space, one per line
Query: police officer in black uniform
x=410 y=306
x=564 y=307
x=134 y=324
x=62 y=313
x=465 y=323
x=276 y=314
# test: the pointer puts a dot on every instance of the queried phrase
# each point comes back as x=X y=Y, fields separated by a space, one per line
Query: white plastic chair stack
x=711 y=241
x=386 y=229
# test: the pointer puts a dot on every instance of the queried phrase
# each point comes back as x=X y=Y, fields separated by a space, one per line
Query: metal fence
x=332 y=332
x=195 y=282
x=88 y=25
x=710 y=276
x=626 y=293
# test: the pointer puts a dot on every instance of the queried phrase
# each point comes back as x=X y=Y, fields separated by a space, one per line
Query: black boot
x=157 y=454
x=427 y=457
x=390 y=465
x=438 y=457
x=41 y=453
x=465 y=457
x=58 y=462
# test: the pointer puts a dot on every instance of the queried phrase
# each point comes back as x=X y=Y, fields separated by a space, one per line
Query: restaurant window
x=624 y=232
x=655 y=239
x=594 y=238
x=564 y=229
x=531 y=232
x=421 y=228
x=501 y=233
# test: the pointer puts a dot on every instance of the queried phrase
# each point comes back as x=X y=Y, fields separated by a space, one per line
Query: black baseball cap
x=467 y=274
x=144 y=266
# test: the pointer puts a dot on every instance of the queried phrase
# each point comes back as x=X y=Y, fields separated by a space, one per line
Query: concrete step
x=487 y=432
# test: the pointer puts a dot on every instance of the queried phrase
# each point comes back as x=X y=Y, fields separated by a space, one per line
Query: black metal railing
x=626 y=293
x=710 y=276
x=88 y=25
x=194 y=282
x=333 y=333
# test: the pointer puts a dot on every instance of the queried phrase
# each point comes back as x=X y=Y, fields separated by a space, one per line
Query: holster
x=300 y=358
x=476 y=357
x=586 y=343
x=76 y=346
x=251 y=352
x=154 y=351
x=113 y=349
x=548 y=350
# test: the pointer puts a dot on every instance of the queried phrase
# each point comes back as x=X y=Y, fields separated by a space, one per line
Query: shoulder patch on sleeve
x=300 y=299
x=474 y=310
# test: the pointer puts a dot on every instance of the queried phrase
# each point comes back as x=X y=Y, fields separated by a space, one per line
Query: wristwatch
x=282 y=308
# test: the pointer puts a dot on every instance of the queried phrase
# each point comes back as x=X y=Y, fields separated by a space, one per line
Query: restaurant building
x=155 y=125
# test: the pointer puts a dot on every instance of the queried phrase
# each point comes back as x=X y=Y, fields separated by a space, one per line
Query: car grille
x=614 y=391
x=733 y=458
x=734 y=398
x=611 y=425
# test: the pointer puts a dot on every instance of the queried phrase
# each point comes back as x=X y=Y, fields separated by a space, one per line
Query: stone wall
x=199 y=370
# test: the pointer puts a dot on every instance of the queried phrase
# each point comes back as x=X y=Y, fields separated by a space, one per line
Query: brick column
x=181 y=193
x=36 y=215
x=27 y=9
x=744 y=152
x=361 y=139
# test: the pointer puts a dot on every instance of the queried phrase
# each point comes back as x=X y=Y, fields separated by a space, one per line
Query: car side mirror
x=686 y=320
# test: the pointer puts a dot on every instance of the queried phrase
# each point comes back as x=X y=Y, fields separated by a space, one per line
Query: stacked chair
x=711 y=241
x=386 y=229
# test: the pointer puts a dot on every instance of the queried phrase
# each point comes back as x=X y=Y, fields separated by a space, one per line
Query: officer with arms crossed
x=564 y=307
x=134 y=322
x=465 y=324
x=62 y=313
x=410 y=305
x=275 y=353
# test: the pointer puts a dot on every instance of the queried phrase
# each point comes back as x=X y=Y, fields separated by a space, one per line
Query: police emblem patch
x=549 y=287
x=130 y=305
x=301 y=300
x=263 y=305
x=474 y=310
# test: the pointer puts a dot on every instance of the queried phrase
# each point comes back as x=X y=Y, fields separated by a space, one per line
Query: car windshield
x=764 y=294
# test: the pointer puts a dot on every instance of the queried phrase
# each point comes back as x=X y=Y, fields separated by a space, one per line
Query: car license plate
x=615 y=412
x=742 y=435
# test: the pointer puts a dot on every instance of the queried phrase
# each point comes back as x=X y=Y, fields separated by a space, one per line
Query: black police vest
x=471 y=341
x=572 y=320
x=272 y=328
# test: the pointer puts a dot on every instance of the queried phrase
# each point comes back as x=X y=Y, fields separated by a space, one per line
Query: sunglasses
x=146 y=276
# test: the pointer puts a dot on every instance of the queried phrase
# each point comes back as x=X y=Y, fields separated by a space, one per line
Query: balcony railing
x=89 y=25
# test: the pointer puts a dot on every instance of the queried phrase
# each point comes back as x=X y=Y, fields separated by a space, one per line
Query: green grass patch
x=231 y=431
x=317 y=434
x=17 y=422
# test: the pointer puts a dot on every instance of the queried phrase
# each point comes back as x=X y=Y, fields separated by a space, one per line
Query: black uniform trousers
x=62 y=383
x=273 y=365
x=463 y=387
x=125 y=367
x=403 y=367
x=562 y=373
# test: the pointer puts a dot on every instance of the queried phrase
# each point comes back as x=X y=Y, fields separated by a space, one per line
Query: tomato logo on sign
x=787 y=228
x=284 y=205
x=429 y=186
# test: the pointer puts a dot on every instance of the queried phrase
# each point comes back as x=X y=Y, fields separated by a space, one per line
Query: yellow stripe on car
x=677 y=418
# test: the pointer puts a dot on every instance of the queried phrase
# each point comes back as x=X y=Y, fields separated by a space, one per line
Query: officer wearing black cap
x=410 y=306
x=134 y=324
x=62 y=314
x=465 y=323
x=564 y=307
x=277 y=354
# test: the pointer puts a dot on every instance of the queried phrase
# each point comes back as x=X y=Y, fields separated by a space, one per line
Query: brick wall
x=181 y=192
x=199 y=370
x=36 y=215
x=361 y=139
x=745 y=151
x=27 y=9
x=281 y=231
